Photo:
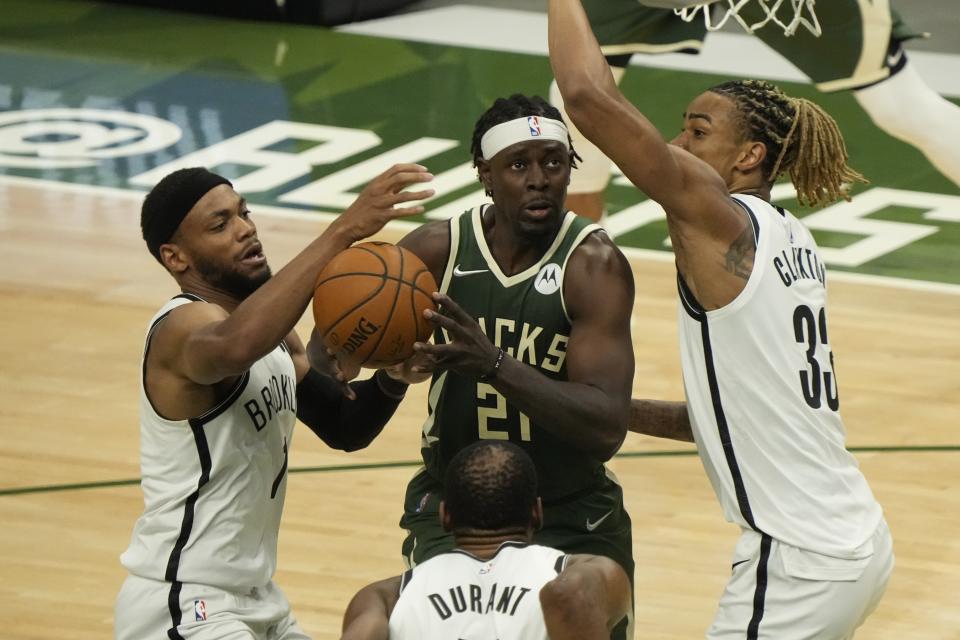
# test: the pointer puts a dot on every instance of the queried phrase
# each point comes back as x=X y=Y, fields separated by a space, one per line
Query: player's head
x=197 y=226
x=750 y=129
x=524 y=154
x=507 y=109
x=491 y=487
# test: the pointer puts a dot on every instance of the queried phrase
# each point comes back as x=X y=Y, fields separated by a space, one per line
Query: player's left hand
x=324 y=360
x=469 y=351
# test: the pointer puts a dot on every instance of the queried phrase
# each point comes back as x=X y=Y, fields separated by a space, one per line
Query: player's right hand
x=414 y=369
x=469 y=352
x=376 y=204
x=324 y=360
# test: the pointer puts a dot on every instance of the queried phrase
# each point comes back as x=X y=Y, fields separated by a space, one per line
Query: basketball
x=368 y=304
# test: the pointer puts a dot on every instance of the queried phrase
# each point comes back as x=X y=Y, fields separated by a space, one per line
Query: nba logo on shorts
x=534 y=123
x=200 y=610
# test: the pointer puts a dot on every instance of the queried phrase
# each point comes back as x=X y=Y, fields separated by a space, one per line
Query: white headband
x=498 y=138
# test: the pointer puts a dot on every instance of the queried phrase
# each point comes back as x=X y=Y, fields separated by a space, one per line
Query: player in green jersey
x=860 y=50
x=532 y=343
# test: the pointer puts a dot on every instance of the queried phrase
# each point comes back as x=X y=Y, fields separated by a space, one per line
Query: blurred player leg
x=926 y=120
x=590 y=178
x=779 y=591
x=860 y=50
x=622 y=27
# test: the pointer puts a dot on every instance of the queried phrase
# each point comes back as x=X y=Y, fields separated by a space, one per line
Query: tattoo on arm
x=739 y=257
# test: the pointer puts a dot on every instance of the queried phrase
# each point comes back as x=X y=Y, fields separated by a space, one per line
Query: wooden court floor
x=77 y=288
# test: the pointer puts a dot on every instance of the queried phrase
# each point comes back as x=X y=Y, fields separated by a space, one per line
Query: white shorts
x=779 y=591
x=143 y=611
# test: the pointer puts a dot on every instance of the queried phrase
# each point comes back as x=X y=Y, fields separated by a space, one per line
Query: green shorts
x=858 y=47
x=594 y=523
x=625 y=26
x=860 y=43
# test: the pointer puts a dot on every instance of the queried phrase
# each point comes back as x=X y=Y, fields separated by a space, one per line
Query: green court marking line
x=358 y=467
x=53 y=488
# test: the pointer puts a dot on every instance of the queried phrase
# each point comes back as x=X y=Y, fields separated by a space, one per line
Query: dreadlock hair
x=490 y=486
x=801 y=139
x=516 y=106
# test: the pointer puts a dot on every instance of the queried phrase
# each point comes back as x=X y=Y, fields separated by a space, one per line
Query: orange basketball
x=368 y=304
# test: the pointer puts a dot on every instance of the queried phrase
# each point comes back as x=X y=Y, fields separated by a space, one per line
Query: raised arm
x=706 y=227
x=205 y=344
x=586 y=600
x=601 y=112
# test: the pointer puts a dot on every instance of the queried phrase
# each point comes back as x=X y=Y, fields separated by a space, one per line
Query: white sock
x=908 y=109
x=593 y=172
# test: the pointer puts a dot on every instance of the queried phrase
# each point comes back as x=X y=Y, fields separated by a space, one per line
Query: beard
x=231 y=281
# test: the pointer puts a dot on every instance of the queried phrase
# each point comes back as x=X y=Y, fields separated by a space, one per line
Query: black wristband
x=490 y=375
x=390 y=387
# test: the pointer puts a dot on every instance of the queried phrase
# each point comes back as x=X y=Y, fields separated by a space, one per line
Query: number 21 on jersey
x=497 y=412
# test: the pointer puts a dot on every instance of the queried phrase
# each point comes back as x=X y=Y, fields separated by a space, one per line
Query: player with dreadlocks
x=815 y=554
x=800 y=138
x=536 y=348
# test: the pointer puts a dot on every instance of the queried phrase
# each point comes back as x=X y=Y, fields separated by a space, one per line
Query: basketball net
x=770 y=8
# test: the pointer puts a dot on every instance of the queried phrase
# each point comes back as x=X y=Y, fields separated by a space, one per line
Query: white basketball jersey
x=457 y=595
x=214 y=485
x=762 y=396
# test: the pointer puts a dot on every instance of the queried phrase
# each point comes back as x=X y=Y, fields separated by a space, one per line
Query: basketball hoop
x=803 y=15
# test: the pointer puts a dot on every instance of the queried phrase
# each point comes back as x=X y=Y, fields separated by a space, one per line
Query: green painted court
x=374 y=101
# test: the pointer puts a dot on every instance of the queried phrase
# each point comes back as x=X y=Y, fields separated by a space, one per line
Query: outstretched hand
x=375 y=206
x=324 y=360
x=413 y=370
x=469 y=351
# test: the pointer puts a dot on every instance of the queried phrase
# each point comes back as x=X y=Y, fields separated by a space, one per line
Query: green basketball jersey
x=526 y=316
x=853 y=50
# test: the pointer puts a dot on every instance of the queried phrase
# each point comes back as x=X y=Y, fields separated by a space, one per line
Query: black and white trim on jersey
x=516 y=544
x=721 y=421
x=405 y=579
x=688 y=301
x=754 y=425
x=173 y=563
x=696 y=311
x=203 y=453
x=753 y=221
x=561 y=564
x=150 y=332
x=558 y=566
x=206 y=464
x=760 y=592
